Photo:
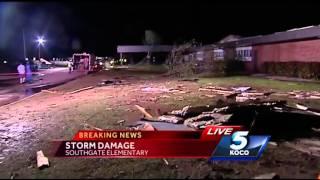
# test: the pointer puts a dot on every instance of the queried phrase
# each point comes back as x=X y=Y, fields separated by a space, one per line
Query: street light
x=40 y=40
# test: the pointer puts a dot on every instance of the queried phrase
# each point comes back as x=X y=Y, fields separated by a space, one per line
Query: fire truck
x=86 y=62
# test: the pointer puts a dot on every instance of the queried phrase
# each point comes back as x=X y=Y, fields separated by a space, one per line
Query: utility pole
x=39 y=51
x=24 y=45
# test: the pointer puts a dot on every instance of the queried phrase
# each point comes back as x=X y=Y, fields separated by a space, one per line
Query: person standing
x=70 y=66
x=28 y=73
x=22 y=73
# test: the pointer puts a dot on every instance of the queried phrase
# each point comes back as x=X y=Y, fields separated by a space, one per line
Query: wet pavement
x=11 y=91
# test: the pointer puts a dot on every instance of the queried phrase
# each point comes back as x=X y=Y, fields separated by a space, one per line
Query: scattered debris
x=165 y=161
x=241 y=99
x=192 y=80
x=82 y=89
x=170 y=119
x=304 y=95
x=273 y=143
x=121 y=122
x=241 y=94
x=268 y=176
x=42 y=161
x=51 y=92
x=162 y=90
x=299 y=106
x=310 y=110
x=144 y=112
x=205 y=119
x=159 y=90
x=86 y=125
x=316 y=130
x=241 y=89
x=111 y=82
x=190 y=111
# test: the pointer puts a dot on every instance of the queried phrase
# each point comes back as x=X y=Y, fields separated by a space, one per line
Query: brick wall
x=303 y=51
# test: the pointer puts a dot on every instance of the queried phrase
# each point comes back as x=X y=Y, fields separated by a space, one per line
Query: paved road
x=12 y=90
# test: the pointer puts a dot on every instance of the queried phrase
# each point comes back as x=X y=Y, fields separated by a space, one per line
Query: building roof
x=309 y=32
x=143 y=48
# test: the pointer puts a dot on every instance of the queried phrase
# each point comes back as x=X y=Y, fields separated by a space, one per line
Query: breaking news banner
x=214 y=142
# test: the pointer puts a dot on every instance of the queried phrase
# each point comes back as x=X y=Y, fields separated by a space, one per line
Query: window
x=218 y=54
x=244 y=53
x=199 y=56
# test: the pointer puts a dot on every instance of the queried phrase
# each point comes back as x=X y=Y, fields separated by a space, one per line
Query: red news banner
x=144 y=144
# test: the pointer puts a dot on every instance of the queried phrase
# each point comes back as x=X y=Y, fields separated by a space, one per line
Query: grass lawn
x=261 y=83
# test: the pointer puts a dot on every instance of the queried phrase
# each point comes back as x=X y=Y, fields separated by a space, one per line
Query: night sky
x=98 y=27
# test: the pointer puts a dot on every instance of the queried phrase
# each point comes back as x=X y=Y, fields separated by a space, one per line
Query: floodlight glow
x=41 y=41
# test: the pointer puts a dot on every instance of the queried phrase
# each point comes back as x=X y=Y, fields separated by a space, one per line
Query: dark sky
x=98 y=27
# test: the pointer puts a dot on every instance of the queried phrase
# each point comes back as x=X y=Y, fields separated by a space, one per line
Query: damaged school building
x=295 y=52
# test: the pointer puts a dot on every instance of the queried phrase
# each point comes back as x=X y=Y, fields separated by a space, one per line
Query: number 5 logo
x=239 y=137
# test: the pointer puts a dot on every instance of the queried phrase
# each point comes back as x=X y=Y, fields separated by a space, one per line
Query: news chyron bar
x=214 y=143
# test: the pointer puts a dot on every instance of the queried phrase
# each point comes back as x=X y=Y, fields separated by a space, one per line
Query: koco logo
x=238 y=142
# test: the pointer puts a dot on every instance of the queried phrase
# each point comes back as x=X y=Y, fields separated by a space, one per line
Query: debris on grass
x=111 y=82
x=144 y=112
x=162 y=90
x=268 y=176
x=241 y=94
x=86 y=125
x=121 y=122
x=82 y=89
x=52 y=92
x=42 y=161
x=191 y=80
x=170 y=119
x=166 y=161
x=273 y=143
x=241 y=89
x=304 y=95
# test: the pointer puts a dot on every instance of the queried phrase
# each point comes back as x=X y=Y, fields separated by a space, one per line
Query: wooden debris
x=144 y=112
x=205 y=119
x=252 y=94
x=82 y=89
x=120 y=122
x=316 y=130
x=51 y=92
x=190 y=111
x=42 y=161
x=170 y=119
x=93 y=127
x=223 y=92
x=165 y=161
x=241 y=89
x=273 y=143
x=191 y=80
x=310 y=110
x=241 y=99
x=267 y=176
x=301 y=107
